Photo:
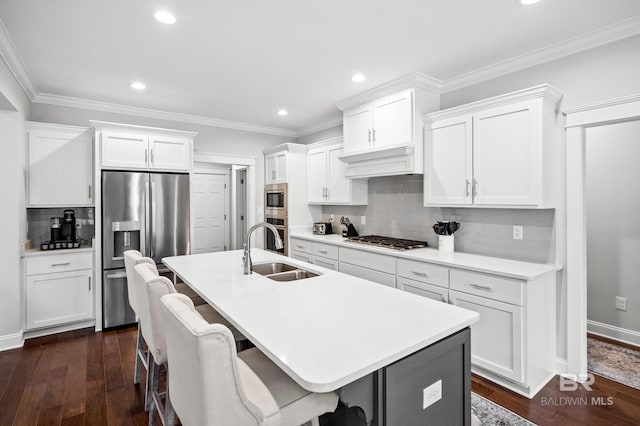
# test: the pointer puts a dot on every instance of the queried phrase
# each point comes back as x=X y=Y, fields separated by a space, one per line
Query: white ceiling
x=243 y=60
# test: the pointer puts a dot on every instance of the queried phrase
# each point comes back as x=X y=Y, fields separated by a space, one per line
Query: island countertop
x=325 y=331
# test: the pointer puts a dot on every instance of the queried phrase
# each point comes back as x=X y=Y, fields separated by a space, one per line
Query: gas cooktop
x=387 y=242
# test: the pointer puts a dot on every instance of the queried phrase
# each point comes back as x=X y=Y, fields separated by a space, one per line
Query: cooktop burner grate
x=387 y=242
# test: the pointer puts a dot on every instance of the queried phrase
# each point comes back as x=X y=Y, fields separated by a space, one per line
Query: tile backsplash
x=395 y=209
x=39 y=224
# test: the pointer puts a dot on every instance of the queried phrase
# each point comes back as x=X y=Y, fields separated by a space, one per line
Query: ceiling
x=241 y=61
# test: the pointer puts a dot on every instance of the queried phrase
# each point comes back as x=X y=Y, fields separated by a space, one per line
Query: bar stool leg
x=148 y=394
x=139 y=362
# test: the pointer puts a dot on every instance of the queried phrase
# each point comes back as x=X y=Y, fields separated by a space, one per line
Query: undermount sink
x=279 y=271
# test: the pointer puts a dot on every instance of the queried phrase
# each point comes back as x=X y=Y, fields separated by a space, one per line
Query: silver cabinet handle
x=273 y=174
x=373 y=132
x=89 y=283
x=145 y=156
x=481 y=286
x=323 y=251
x=152 y=158
x=369 y=138
x=299 y=246
x=61 y=264
x=420 y=273
x=475 y=187
x=89 y=191
x=467 y=188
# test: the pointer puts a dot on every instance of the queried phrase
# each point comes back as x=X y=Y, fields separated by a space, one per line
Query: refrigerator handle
x=146 y=240
x=152 y=239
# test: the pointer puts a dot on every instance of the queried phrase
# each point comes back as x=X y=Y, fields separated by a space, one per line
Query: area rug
x=487 y=413
x=614 y=362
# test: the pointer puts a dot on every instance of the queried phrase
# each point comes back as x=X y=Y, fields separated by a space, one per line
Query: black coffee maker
x=69 y=226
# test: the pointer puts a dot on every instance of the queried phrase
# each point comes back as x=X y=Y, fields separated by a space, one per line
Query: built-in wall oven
x=275 y=200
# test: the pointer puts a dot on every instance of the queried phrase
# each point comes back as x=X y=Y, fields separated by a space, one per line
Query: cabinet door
x=275 y=167
x=325 y=262
x=126 y=151
x=368 y=274
x=60 y=168
x=497 y=338
x=506 y=155
x=339 y=187
x=440 y=294
x=449 y=163
x=281 y=167
x=358 y=124
x=316 y=175
x=393 y=120
x=298 y=255
x=59 y=298
x=270 y=168
x=169 y=154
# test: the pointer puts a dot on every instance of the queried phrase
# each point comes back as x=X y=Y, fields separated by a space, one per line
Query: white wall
x=13 y=213
x=613 y=225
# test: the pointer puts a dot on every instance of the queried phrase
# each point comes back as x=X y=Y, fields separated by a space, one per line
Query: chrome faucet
x=246 y=257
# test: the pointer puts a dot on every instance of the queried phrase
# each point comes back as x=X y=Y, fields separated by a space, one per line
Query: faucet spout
x=247 y=264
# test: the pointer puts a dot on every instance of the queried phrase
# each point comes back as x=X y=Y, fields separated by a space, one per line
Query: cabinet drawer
x=425 y=290
x=58 y=263
x=325 y=262
x=300 y=255
x=301 y=245
x=490 y=286
x=366 y=259
x=325 y=250
x=368 y=274
x=424 y=272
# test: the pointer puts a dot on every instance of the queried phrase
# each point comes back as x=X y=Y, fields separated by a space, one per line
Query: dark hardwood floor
x=81 y=377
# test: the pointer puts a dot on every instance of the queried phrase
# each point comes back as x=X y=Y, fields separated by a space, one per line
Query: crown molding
x=14 y=62
x=617 y=31
x=68 y=101
x=416 y=79
x=320 y=127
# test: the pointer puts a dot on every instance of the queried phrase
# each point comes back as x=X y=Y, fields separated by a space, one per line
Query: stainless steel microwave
x=275 y=198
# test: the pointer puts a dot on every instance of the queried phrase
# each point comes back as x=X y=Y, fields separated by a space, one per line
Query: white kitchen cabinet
x=58 y=289
x=326 y=180
x=320 y=254
x=60 y=165
x=497 y=338
x=499 y=152
x=441 y=294
x=127 y=147
x=374 y=267
x=275 y=166
x=383 y=134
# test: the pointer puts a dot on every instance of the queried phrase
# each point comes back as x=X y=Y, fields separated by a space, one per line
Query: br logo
x=569 y=382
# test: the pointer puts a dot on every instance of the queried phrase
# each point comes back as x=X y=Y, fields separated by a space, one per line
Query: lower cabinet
x=54 y=298
x=325 y=255
x=441 y=294
x=497 y=338
x=374 y=267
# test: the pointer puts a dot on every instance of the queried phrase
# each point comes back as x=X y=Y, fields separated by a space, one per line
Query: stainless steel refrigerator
x=144 y=211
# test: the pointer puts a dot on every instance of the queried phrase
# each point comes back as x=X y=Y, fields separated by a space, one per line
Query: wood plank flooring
x=86 y=378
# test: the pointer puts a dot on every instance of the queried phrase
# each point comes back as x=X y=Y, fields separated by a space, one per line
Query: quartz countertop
x=37 y=252
x=492 y=265
x=325 y=331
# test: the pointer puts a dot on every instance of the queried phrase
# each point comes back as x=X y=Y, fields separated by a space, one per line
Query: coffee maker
x=69 y=226
x=63 y=232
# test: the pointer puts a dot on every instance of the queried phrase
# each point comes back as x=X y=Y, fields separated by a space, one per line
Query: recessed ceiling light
x=282 y=112
x=164 y=17
x=137 y=85
x=527 y=2
x=357 y=78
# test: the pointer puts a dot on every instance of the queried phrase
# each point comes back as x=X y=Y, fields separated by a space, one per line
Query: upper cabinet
x=60 y=165
x=275 y=166
x=383 y=132
x=326 y=181
x=497 y=152
x=144 y=148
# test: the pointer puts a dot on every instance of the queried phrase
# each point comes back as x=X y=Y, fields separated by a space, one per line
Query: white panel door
x=59 y=298
x=505 y=155
x=358 y=124
x=125 y=151
x=316 y=175
x=338 y=186
x=449 y=163
x=169 y=154
x=393 y=120
x=497 y=339
x=209 y=213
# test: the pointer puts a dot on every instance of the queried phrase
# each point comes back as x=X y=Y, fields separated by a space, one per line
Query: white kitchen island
x=331 y=330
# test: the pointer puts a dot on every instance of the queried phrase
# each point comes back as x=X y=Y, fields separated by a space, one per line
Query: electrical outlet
x=363 y=220
x=431 y=394
x=331 y=218
x=518 y=232
x=621 y=303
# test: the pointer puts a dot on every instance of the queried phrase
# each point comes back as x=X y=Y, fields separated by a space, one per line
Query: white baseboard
x=58 y=329
x=561 y=366
x=11 y=341
x=612 y=332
